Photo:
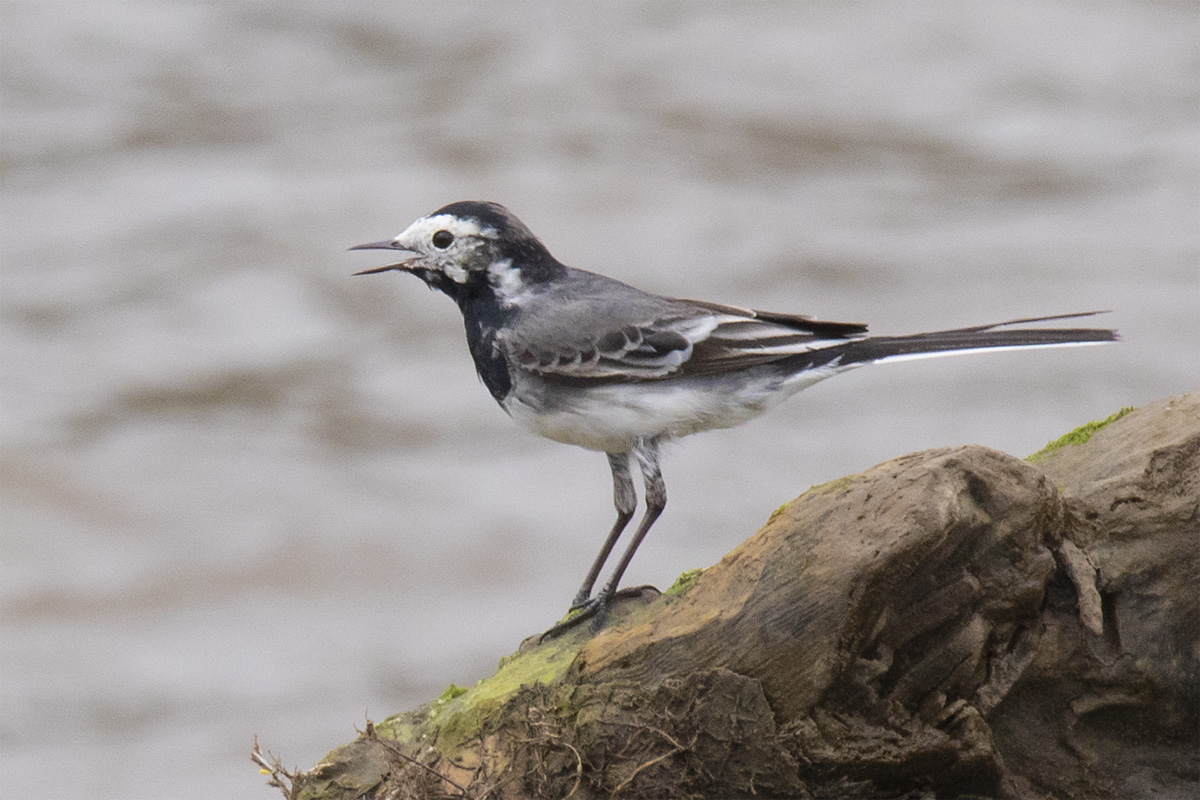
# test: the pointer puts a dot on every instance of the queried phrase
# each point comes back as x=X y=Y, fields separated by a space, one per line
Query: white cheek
x=507 y=281
x=455 y=273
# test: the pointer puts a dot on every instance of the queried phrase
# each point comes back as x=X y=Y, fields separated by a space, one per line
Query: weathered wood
x=953 y=621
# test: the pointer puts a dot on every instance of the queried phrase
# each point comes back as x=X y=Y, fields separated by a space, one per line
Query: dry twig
x=396 y=750
x=676 y=748
x=280 y=778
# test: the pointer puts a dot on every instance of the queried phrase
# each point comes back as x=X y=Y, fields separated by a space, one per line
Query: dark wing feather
x=747 y=338
x=822 y=328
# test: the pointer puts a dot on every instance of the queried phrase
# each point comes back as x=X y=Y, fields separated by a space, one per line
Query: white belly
x=610 y=417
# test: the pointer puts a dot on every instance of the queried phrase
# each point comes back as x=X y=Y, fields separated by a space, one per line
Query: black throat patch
x=483 y=316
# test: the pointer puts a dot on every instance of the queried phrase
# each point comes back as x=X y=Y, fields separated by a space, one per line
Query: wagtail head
x=470 y=244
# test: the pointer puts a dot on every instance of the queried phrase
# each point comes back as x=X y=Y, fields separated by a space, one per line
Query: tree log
x=955 y=621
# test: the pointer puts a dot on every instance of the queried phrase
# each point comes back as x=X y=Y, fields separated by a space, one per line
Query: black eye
x=442 y=239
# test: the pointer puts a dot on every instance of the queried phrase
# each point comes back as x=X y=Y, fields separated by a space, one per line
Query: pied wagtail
x=588 y=360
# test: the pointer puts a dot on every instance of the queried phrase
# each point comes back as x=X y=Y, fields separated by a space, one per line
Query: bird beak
x=387 y=245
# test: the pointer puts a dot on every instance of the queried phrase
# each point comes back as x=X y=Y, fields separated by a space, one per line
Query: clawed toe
x=637 y=592
x=594 y=609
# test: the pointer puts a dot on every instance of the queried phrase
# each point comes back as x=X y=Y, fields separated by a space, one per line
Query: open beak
x=387 y=245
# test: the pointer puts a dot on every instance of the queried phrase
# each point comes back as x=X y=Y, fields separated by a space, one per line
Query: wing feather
x=672 y=346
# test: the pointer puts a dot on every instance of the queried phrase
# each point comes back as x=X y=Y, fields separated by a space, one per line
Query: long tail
x=1000 y=336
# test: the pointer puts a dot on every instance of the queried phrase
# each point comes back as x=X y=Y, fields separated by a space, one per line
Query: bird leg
x=646 y=453
x=645 y=450
x=625 y=500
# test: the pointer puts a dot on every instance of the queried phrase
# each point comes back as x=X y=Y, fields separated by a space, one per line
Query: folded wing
x=689 y=339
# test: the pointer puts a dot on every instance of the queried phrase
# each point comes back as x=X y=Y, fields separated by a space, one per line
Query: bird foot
x=596 y=609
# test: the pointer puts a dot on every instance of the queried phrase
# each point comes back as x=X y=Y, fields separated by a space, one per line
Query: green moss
x=457 y=713
x=778 y=511
x=1077 y=436
x=546 y=663
x=835 y=485
x=571 y=612
x=684 y=581
x=450 y=692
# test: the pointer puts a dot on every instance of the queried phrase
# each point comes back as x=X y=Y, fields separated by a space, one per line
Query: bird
x=588 y=360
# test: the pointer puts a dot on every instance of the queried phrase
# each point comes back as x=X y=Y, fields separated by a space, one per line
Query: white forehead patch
x=421 y=232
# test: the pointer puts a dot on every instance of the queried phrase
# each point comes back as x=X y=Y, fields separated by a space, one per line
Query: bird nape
x=588 y=360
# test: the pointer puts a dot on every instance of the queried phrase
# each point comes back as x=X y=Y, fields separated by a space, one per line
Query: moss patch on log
x=458 y=713
x=684 y=582
x=1078 y=436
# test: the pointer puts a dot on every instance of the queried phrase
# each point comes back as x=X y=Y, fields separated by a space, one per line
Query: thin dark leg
x=646 y=453
x=596 y=608
x=625 y=499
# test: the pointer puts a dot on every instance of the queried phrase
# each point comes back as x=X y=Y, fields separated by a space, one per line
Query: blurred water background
x=245 y=493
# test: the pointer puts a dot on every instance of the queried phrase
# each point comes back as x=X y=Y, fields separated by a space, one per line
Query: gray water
x=245 y=493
